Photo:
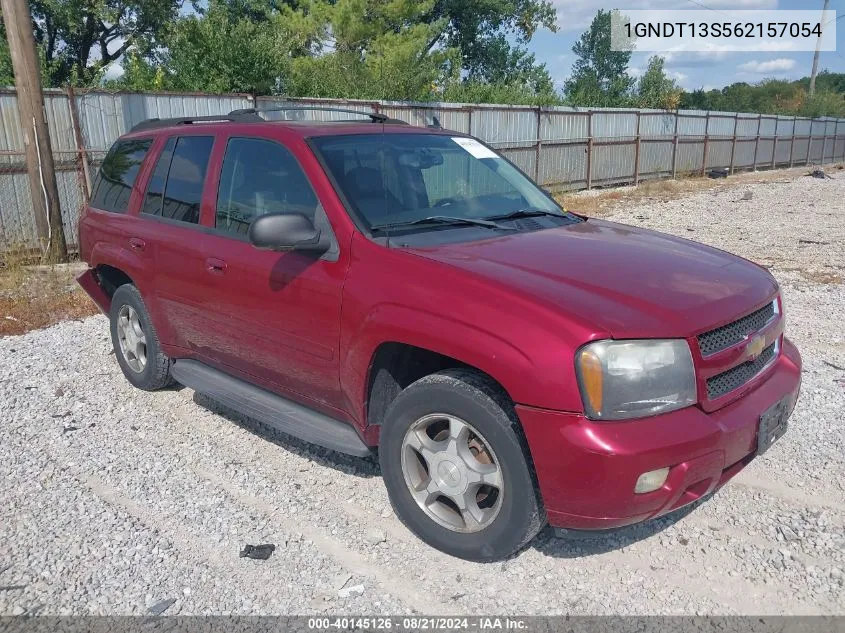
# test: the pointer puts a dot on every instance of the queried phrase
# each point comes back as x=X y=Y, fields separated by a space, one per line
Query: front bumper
x=587 y=470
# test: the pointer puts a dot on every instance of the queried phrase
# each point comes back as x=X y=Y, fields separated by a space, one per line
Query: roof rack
x=152 y=124
x=252 y=115
x=375 y=117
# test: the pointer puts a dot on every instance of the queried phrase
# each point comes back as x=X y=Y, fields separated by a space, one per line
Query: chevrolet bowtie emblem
x=755 y=347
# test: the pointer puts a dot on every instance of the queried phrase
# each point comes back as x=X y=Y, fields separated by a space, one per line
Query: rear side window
x=175 y=188
x=259 y=177
x=118 y=173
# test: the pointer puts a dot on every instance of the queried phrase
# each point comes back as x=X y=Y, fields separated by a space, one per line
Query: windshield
x=399 y=178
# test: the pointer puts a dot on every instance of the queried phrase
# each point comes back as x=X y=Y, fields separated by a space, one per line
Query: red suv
x=367 y=284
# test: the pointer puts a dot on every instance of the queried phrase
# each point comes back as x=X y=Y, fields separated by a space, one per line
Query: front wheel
x=456 y=469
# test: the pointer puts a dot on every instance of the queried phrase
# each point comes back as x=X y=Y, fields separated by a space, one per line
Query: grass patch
x=33 y=297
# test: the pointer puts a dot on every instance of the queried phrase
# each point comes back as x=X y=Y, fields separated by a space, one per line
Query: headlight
x=633 y=379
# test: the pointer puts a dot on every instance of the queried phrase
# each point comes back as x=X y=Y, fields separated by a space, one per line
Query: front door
x=280 y=312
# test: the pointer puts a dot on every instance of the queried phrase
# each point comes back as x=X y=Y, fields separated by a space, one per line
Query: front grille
x=729 y=335
x=735 y=377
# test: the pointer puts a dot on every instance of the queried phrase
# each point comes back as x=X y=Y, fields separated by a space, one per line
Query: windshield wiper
x=526 y=213
x=443 y=219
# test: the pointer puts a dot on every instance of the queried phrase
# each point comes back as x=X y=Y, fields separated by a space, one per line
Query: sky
x=691 y=71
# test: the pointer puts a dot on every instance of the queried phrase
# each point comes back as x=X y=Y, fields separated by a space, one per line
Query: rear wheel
x=135 y=341
x=456 y=469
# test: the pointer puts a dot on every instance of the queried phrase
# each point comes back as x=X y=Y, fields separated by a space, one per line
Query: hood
x=628 y=281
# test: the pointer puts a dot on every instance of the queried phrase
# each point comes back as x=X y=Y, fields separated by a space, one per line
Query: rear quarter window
x=117 y=174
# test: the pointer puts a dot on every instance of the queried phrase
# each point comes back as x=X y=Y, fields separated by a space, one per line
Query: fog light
x=651 y=481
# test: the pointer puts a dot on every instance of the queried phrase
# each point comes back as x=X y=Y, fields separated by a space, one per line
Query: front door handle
x=215 y=266
x=137 y=243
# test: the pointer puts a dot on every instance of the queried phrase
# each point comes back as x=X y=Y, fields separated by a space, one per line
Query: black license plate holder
x=773 y=424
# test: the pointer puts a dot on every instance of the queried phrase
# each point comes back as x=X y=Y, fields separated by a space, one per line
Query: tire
x=512 y=514
x=154 y=372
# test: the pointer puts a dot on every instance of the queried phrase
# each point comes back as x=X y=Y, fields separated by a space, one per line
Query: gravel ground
x=116 y=501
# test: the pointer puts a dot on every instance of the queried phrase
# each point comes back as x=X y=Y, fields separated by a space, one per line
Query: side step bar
x=270 y=409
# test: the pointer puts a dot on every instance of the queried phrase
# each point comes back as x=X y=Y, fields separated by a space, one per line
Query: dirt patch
x=604 y=202
x=33 y=297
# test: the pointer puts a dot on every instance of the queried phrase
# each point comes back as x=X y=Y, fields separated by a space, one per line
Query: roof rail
x=152 y=124
x=375 y=117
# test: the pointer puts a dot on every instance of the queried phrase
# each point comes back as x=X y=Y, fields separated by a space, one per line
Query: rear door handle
x=137 y=243
x=215 y=266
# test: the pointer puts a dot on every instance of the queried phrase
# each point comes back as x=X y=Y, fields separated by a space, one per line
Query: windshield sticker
x=474 y=147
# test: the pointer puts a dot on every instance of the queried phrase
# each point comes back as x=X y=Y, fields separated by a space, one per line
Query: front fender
x=464 y=341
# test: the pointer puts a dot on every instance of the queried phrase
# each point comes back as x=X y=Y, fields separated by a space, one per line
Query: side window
x=259 y=177
x=117 y=174
x=175 y=188
x=154 y=198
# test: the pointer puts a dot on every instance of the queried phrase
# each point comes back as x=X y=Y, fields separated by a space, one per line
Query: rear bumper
x=587 y=470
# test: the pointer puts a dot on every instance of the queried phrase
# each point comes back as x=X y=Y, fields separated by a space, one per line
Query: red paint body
x=516 y=306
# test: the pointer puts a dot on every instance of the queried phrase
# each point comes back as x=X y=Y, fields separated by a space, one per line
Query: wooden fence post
x=85 y=173
x=757 y=141
x=706 y=144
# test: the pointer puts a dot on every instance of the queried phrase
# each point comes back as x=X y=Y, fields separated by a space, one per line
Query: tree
x=600 y=75
x=656 y=89
x=78 y=39
x=482 y=30
x=7 y=77
x=378 y=49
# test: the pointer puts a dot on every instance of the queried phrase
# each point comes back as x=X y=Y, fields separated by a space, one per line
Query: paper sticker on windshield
x=474 y=147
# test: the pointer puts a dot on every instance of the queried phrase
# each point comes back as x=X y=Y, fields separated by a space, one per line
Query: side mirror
x=286 y=232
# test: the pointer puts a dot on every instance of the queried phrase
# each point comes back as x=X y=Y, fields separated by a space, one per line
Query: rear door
x=279 y=313
x=171 y=237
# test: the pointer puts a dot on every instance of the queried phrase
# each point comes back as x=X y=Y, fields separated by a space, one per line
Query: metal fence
x=560 y=148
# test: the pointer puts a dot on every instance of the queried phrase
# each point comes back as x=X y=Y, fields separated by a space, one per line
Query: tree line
x=473 y=51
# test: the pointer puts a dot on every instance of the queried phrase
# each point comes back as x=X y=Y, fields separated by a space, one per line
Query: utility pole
x=818 y=51
x=39 y=154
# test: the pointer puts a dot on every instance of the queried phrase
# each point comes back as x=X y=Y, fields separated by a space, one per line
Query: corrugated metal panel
x=719 y=153
x=747 y=125
x=10 y=126
x=613 y=163
x=816 y=150
x=802 y=127
x=656 y=158
x=510 y=127
x=659 y=124
x=689 y=125
x=768 y=126
x=525 y=159
x=785 y=126
x=744 y=153
x=721 y=125
x=17 y=226
x=765 y=150
x=799 y=151
x=558 y=125
x=689 y=158
x=614 y=124
x=783 y=151
x=564 y=165
x=105 y=116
